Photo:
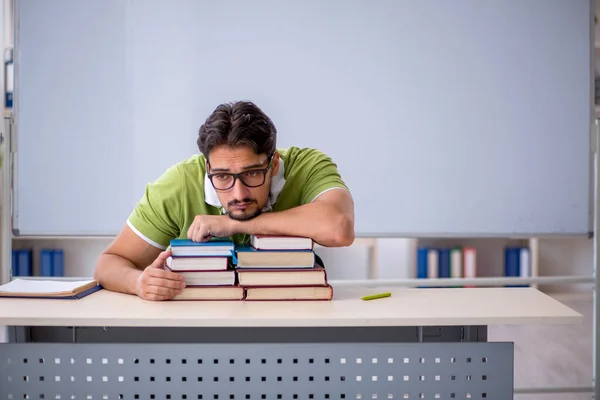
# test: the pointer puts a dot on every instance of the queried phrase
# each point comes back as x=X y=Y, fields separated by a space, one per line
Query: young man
x=239 y=185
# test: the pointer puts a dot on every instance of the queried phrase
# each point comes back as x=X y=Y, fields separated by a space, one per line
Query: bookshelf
x=375 y=258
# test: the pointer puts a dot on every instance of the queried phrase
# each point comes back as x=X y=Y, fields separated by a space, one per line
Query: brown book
x=248 y=257
x=211 y=293
x=282 y=277
x=289 y=293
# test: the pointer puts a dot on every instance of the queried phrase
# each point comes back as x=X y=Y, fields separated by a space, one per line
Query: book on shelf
x=453 y=262
x=49 y=288
x=469 y=263
x=517 y=263
x=22 y=262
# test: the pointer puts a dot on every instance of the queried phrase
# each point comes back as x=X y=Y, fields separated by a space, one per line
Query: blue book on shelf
x=15 y=263
x=52 y=262
x=511 y=262
x=58 y=262
x=444 y=263
x=46 y=262
x=24 y=263
x=422 y=262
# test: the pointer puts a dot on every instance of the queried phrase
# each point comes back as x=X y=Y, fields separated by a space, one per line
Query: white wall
x=396 y=258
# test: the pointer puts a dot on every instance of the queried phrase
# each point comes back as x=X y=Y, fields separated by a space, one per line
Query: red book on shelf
x=469 y=263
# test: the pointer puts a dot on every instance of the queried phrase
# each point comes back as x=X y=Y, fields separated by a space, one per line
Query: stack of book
x=281 y=268
x=207 y=268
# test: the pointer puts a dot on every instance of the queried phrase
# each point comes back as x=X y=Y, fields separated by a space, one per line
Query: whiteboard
x=462 y=118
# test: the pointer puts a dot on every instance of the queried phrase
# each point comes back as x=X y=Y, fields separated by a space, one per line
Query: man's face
x=241 y=201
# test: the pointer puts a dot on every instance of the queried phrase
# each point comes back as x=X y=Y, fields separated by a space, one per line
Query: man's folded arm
x=328 y=220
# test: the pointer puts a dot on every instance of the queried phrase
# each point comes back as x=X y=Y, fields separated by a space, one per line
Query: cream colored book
x=49 y=288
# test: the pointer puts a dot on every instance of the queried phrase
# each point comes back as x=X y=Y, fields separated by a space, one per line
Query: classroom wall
x=396 y=258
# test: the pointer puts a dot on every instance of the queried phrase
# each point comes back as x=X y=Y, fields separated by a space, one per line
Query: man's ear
x=275 y=163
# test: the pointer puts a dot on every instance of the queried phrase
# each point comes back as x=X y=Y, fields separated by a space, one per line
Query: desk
x=346 y=348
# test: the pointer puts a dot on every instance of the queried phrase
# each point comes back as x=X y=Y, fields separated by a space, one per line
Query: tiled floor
x=552 y=355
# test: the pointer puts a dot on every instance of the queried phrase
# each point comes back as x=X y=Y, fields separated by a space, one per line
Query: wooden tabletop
x=406 y=307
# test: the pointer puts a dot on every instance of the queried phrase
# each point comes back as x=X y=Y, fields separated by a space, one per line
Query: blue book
x=46 y=262
x=58 y=262
x=422 y=263
x=212 y=248
x=444 y=263
x=24 y=264
x=15 y=263
x=511 y=262
x=211 y=242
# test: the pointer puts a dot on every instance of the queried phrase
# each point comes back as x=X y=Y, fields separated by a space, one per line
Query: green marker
x=376 y=296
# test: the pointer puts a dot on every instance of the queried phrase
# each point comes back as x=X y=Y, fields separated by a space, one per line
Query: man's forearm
x=116 y=273
x=320 y=221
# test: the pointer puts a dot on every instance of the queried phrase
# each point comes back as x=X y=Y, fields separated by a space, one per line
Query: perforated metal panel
x=103 y=371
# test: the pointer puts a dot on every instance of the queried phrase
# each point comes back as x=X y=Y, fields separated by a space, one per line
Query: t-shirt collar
x=277 y=184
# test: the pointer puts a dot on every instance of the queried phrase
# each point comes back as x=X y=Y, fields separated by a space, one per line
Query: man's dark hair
x=236 y=124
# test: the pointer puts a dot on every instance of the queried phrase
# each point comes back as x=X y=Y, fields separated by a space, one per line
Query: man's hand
x=157 y=283
x=206 y=226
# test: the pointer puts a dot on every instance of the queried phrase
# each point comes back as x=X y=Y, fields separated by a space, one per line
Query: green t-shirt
x=169 y=204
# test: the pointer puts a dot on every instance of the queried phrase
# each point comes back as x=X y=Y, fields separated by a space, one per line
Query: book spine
x=58 y=262
x=456 y=263
x=422 y=263
x=46 y=262
x=432 y=263
x=15 y=263
x=511 y=262
x=469 y=263
x=524 y=263
x=24 y=263
x=444 y=263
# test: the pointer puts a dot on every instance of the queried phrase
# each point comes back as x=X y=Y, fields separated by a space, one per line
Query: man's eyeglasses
x=252 y=178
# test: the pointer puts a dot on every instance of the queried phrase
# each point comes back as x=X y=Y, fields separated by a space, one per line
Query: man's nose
x=239 y=190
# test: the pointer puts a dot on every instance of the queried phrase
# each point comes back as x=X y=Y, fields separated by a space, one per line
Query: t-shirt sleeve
x=156 y=216
x=322 y=175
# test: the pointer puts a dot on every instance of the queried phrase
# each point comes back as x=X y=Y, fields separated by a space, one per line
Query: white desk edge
x=406 y=307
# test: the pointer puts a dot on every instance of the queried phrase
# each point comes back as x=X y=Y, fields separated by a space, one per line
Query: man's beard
x=243 y=215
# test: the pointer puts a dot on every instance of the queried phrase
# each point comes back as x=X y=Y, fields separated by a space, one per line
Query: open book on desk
x=49 y=288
